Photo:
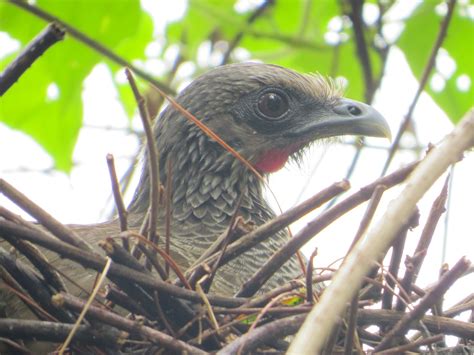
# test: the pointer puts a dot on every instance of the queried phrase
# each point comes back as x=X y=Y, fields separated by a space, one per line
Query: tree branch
x=360 y=260
x=52 y=34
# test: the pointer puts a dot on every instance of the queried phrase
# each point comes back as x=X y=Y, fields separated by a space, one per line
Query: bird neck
x=207 y=183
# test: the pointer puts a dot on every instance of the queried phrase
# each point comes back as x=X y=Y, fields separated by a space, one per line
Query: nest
x=142 y=303
x=139 y=311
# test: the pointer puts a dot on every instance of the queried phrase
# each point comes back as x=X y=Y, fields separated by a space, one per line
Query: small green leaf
x=247 y=319
x=293 y=300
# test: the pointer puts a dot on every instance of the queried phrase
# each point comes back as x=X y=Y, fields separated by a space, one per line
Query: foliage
x=459 y=45
x=55 y=123
x=305 y=35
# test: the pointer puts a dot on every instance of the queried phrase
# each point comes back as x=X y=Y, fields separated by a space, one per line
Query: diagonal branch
x=349 y=277
x=316 y=226
x=424 y=79
x=81 y=37
x=48 y=37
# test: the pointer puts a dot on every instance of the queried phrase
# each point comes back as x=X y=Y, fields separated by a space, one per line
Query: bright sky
x=81 y=196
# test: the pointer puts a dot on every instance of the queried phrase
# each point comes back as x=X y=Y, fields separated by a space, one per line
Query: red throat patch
x=273 y=160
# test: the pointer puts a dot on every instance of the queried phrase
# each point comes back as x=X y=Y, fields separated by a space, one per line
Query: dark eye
x=354 y=110
x=272 y=105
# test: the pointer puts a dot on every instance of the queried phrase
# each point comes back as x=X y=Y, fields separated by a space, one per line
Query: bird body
x=268 y=114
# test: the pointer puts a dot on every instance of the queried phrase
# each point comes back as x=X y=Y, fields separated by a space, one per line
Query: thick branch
x=349 y=277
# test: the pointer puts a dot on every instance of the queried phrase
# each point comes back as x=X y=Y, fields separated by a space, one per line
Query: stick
x=35 y=49
x=348 y=279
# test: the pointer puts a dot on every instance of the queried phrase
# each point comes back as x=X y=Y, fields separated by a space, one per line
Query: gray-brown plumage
x=266 y=113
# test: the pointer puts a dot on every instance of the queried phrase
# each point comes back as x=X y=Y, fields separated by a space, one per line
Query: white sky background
x=80 y=197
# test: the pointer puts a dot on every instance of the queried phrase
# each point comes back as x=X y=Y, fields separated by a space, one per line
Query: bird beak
x=348 y=117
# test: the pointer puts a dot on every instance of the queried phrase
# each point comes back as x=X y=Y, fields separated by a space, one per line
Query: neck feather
x=206 y=183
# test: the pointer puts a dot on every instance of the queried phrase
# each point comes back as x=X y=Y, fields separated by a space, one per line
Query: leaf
x=290 y=33
x=293 y=33
x=417 y=46
x=247 y=319
x=292 y=300
x=55 y=123
x=204 y=20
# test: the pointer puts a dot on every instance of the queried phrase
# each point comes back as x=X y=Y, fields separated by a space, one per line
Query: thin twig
x=413 y=263
x=153 y=161
x=259 y=11
x=351 y=325
x=309 y=277
x=434 y=324
x=33 y=254
x=153 y=260
x=260 y=315
x=351 y=274
x=397 y=253
x=123 y=323
x=261 y=335
x=368 y=215
x=355 y=159
x=121 y=209
x=81 y=37
x=362 y=49
x=207 y=305
x=56 y=332
x=168 y=210
x=143 y=243
x=78 y=322
x=49 y=222
x=97 y=263
x=316 y=226
x=269 y=228
x=52 y=34
x=14 y=347
x=210 y=133
x=10 y=284
x=206 y=284
x=33 y=284
x=426 y=302
x=162 y=315
x=413 y=345
x=423 y=81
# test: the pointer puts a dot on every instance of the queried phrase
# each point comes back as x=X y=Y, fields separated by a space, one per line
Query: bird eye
x=354 y=110
x=272 y=105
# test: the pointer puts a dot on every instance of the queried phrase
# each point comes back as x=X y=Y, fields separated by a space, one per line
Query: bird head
x=269 y=113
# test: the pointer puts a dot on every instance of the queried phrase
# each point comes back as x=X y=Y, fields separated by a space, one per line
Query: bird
x=269 y=115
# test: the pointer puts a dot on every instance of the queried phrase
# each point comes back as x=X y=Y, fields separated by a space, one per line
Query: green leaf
x=290 y=33
x=417 y=46
x=55 y=123
x=290 y=26
x=461 y=47
x=204 y=20
x=293 y=33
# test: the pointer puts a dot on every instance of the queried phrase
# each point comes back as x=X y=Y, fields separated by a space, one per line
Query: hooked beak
x=348 y=117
